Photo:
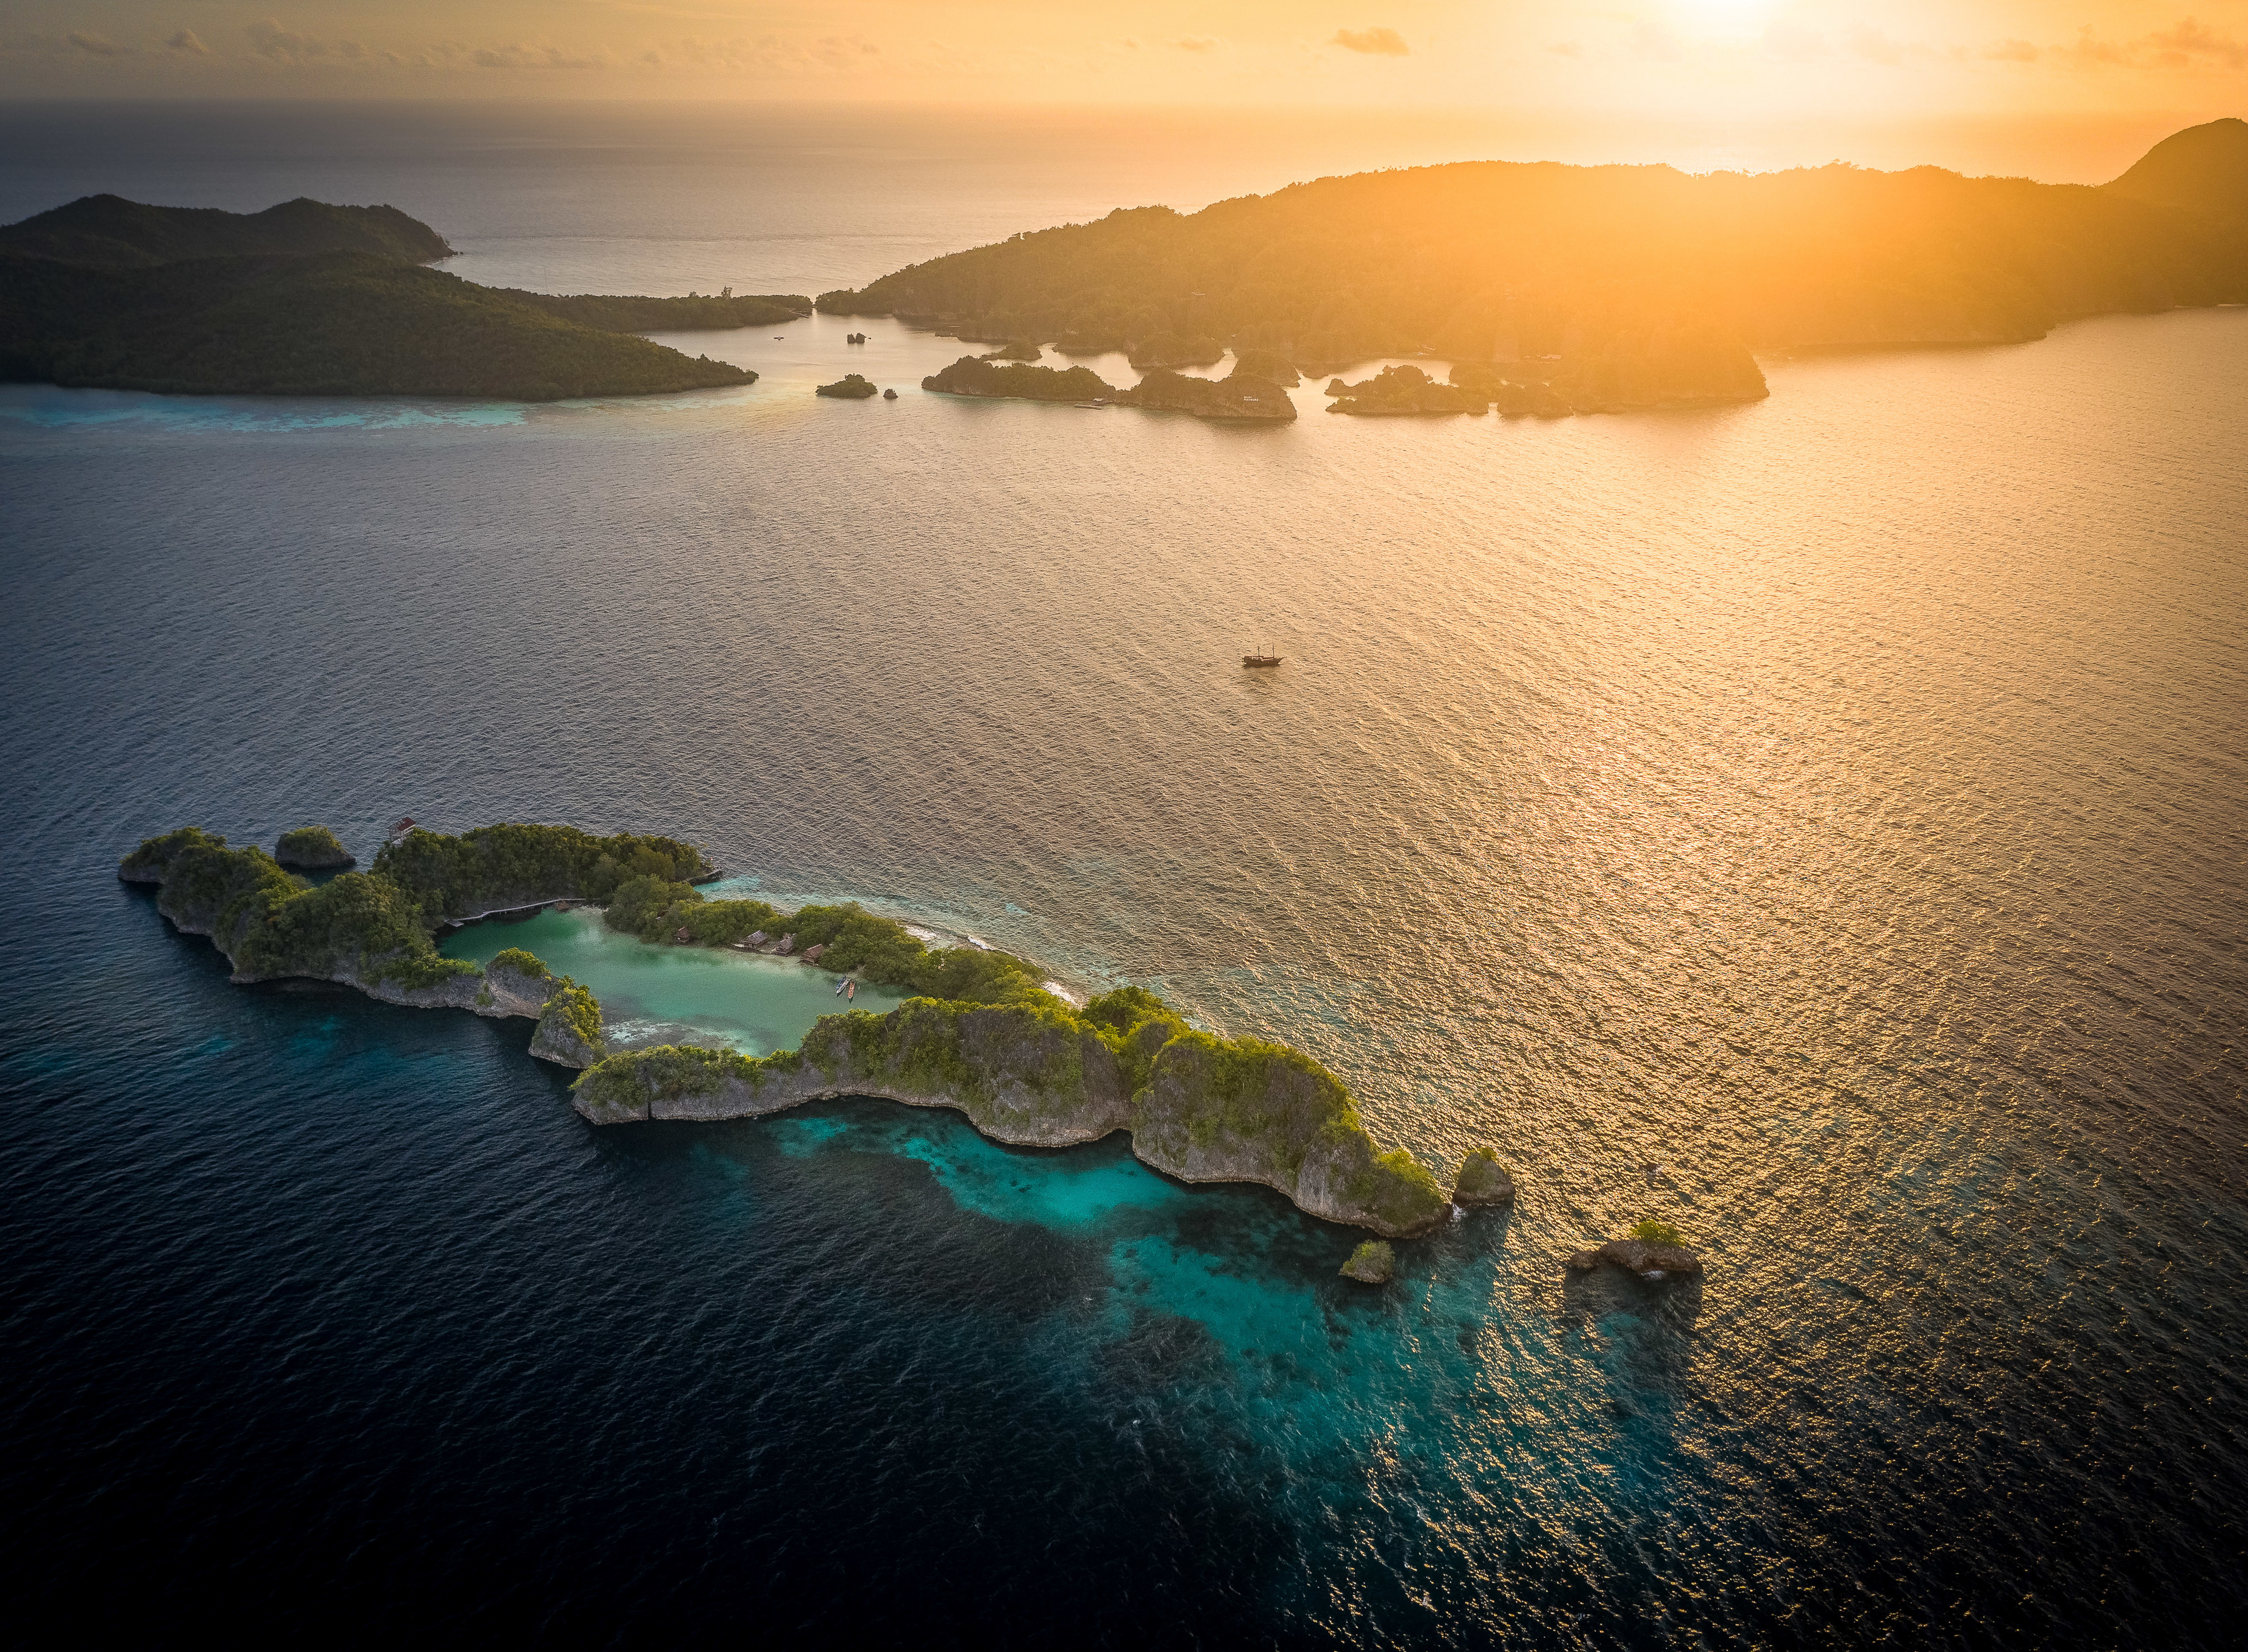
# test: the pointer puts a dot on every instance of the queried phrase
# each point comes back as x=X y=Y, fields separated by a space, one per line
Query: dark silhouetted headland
x=108 y=232
x=306 y=298
x=1670 y=279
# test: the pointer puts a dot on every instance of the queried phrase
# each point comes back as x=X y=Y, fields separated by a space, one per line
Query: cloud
x=99 y=45
x=269 y=39
x=1564 y=49
x=1373 y=43
x=2088 y=54
x=1194 y=43
x=2011 y=52
x=2191 y=40
x=186 y=41
x=537 y=57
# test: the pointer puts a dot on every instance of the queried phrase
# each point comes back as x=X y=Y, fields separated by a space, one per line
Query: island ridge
x=984 y=1037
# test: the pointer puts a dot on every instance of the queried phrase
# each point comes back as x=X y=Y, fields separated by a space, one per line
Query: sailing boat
x=1260 y=658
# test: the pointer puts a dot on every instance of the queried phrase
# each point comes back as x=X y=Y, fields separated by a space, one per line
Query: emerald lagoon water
x=750 y=1002
x=1817 y=824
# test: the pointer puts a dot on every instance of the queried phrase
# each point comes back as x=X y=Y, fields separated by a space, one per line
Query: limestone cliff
x=359 y=929
x=1201 y=1108
x=569 y=1026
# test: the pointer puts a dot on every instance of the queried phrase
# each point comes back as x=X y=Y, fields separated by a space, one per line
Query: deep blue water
x=1836 y=802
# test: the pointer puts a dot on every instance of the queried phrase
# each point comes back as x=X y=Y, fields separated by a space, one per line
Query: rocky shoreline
x=1029 y=1069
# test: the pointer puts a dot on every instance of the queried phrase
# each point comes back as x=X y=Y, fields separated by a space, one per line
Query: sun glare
x=1726 y=12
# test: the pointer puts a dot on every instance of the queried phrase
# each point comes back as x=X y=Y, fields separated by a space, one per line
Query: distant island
x=1601 y=288
x=306 y=298
x=1239 y=396
x=983 y=1035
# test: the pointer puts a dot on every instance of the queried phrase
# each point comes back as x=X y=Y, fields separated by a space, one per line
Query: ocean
x=1817 y=824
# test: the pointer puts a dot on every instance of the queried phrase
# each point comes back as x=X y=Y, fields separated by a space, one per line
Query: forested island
x=307 y=299
x=1237 y=396
x=1614 y=287
x=984 y=1035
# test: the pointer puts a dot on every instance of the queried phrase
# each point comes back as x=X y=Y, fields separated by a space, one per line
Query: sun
x=1723 y=11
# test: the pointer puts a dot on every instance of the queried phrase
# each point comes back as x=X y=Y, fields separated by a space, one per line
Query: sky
x=1775 y=59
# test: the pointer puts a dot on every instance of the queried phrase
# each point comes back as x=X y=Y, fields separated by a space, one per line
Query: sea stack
x=569 y=1034
x=1482 y=1181
x=1655 y=1251
x=1373 y=1263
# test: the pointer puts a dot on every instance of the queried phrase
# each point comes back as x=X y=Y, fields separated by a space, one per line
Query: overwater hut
x=811 y=954
x=788 y=945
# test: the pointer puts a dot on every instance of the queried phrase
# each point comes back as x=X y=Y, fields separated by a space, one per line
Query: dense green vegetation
x=850 y=387
x=496 y=866
x=1014 y=350
x=1653 y=1232
x=1400 y=390
x=971 y=376
x=332 y=323
x=313 y=848
x=377 y=926
x=107 y=232
x=982 y=1032
x=857 y=941
x=521 y=961
x=1498 y=262
x=1237 y=397
x=572 y=1015
x=1032 y=1068
x=1374 y=1262
x=695 y=313
x=271 y=924
x=1169 y=350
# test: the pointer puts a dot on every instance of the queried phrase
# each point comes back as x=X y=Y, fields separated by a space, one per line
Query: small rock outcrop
x=973 y=376
x=1174 y=350
x=570 y=1032
x=1654 y=1252
x=1401 y=391
x=1239 y=397
x=312 y=848
x=851 y=387
x=1481 y=1180
x=1373 y=1263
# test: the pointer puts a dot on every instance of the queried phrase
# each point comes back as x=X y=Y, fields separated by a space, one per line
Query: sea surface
x=1817 y=824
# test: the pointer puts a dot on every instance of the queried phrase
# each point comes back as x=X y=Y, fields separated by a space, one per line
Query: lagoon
x=746 y=1001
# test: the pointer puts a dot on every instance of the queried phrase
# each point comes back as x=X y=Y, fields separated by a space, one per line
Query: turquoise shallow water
x=1835 y=803
x=673 y=995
